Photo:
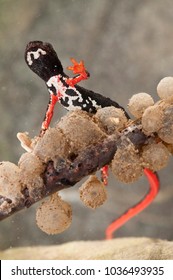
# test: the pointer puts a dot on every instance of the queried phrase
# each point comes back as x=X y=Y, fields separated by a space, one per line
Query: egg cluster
x=24 y=184
x=156 y=120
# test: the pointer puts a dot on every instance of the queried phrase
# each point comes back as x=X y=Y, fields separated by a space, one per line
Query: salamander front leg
x=49 y=113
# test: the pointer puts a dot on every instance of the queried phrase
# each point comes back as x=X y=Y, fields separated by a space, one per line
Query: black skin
x=48 y=65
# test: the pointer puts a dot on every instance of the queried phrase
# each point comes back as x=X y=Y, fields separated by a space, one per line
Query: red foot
x=104 y=174
x=134 y=210
x=77 y=68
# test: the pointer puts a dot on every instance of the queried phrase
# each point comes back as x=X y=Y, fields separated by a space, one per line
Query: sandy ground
x=115 y=249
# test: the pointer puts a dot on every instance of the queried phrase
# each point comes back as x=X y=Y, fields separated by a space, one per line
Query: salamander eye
x=42 y=60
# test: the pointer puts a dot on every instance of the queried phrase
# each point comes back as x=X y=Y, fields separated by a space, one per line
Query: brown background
x=127 y=47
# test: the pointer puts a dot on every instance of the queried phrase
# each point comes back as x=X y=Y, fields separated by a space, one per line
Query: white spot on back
x=36 y=55
x=54 y=81
x=61 y=90
x=94 y=103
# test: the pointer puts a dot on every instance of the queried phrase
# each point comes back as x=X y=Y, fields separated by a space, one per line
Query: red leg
x=154 y=188
x=104 y=174
x=49 y=113
x=77 y=68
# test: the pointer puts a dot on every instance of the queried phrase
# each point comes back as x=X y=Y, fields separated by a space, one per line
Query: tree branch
x=68 y=173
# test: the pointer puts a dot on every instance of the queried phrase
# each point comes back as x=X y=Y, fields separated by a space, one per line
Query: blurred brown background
x=127 y=47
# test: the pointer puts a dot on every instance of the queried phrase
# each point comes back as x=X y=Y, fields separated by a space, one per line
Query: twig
x=68 y=173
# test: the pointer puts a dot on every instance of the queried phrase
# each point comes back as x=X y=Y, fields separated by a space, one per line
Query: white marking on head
x=36 y=55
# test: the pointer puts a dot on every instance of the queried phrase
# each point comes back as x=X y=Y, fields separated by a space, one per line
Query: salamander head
x=43 y=60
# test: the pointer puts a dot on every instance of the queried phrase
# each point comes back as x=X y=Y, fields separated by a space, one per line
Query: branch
x=79 y=145
x=68 y=172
